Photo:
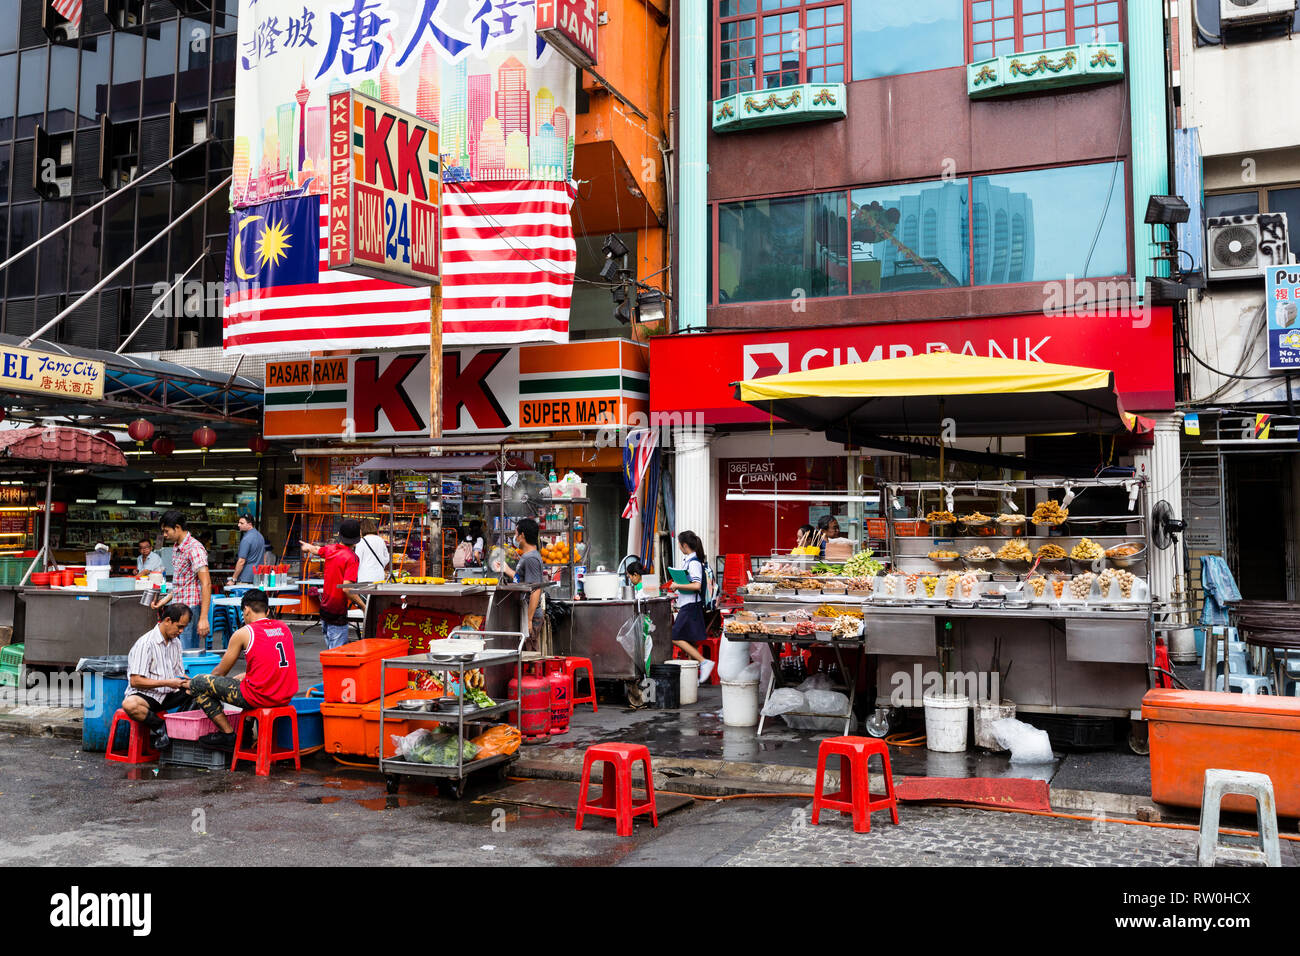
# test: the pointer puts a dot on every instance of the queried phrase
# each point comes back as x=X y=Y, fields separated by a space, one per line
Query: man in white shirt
x=148 y=561
x=372 y=554
x=156 y=671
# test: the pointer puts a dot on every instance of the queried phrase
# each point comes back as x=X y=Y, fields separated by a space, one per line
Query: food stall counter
x=592 y=631
x=64 y=625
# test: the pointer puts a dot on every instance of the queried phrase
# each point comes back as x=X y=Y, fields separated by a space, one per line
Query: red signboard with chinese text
x=1139 y=352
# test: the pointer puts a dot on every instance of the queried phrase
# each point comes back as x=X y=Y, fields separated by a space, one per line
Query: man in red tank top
x=270 y=670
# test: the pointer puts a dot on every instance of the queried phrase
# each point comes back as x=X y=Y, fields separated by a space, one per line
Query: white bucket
x=986 y=712
x=740 y=703
x=945 y=722
x=96 y=574
x=690 y=687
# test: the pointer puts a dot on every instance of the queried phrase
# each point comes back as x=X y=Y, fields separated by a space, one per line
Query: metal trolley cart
x=452 y=777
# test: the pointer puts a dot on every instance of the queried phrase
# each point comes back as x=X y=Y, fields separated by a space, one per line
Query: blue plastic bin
x=196 y=664
x=100 y=699
x=311 y=726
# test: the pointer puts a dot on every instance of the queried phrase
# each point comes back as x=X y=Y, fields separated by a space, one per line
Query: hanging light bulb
x=1133 y=488
x=1009 y=502
x=1069 y=495
x=948 y=492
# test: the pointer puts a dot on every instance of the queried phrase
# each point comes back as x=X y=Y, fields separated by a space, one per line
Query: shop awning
x=166 y=392
x=914 y=395
x=58 y=444
x=444 y=463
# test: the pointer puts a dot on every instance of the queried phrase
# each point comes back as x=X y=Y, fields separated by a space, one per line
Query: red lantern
x=204 y=437
x=106 y=435
x=140 y=431
x=258 y=445
x=3 y=413
x=163 y=446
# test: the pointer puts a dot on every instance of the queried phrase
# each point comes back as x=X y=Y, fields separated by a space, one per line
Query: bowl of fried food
x=1052 y=556
x=1050 y=513
x=1015 y=556
x=1010 y=524
x=1086 y=554
x=947 y=559
x=1126 y=555
x=940 y=522
x=976 y=520
x=980 y=556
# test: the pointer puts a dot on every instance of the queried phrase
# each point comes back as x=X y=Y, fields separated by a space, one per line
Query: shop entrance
x=1259 y=503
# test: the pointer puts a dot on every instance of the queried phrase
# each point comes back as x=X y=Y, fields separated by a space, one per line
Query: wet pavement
x=696 y=732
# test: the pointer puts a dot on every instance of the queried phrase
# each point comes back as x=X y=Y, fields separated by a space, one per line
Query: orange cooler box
x=358 y=662
x=354 y=728
x=1192 y=731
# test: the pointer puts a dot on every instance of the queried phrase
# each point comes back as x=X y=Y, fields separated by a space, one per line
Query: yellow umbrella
x=915 y=394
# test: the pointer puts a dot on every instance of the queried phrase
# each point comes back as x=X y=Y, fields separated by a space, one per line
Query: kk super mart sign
x=384 y=192
x=1140 y=353
x=580 y=385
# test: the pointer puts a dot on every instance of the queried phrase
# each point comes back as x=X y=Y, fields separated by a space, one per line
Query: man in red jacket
x=341 y=566
x=270 y=670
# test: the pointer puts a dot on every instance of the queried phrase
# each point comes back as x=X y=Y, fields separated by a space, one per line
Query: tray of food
x=980 y=556
x=940 y=522
x=1052 y=557
x=1116 y=584
x=1010 y=524
x=1126 y=555
x=1087 y=555
x=944 y=557
x=1050 y=513
x=1015 y=556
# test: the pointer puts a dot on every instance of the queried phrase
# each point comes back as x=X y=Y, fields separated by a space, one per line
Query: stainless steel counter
x=592 y=631
x=62 y=627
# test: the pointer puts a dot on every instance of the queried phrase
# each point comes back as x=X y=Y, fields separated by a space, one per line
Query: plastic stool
x=138 y=748
x=571 y=667
x=264 y=751
x=708 y=648
x=854 y=796
x=1256 y=785
x=616 y=788
x=1251 y=684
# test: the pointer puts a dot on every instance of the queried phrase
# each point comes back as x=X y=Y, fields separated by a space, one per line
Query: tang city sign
x=22 y=370
x=385 y=191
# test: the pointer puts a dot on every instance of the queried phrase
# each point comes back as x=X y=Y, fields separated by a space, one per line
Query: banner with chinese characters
x=22 y=370
x=503 y=98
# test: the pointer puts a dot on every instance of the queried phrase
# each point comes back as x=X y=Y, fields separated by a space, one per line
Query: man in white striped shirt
x=156 y=671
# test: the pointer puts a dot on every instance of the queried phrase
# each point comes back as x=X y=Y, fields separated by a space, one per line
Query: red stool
x=854 y=796
x=138 y=748
x=708 y=649
x=616 y=788
x=265 y=753
x=571 y=666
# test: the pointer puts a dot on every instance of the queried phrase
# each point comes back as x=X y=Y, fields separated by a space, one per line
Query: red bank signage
x=570 y=27
x=1139 y=353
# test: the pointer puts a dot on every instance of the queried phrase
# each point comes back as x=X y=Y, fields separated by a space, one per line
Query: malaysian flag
x=70 y=10
x=508 y=258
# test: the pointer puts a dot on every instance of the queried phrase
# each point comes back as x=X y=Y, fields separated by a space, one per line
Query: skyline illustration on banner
x=503 y=99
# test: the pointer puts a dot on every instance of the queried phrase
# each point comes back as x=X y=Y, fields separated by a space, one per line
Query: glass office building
x=83 y=111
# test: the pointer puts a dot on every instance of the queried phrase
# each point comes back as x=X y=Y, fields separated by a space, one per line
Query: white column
x=693 y=485
x=1164 y=466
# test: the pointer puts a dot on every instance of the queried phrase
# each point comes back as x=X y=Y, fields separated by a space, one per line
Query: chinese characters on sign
x=569 y=26
x=24 y=371
x=385 y=191
x=1282 y=301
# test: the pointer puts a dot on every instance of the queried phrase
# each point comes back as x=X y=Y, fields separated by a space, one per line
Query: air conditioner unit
x=1242 y=247
x=1235 y=12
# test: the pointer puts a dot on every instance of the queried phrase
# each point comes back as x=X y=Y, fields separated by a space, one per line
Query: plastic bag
x=1027 y=744
x=732 y=658
x=111 y=666
x=761 y=654
x=750 y=673
x=783 y=700
x=829 y=702
x=438 y=749
x=634 y=639
x=817 y=682
x=496 y=740
x=825 y=724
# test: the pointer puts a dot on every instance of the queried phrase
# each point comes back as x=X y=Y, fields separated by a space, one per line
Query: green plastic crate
x=11 y=569
x=11 y=656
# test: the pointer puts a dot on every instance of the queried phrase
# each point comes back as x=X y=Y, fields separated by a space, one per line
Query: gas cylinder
x=535 y=705
x=561 y=695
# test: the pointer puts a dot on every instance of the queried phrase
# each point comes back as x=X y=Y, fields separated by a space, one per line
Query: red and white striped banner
x=508 y=262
